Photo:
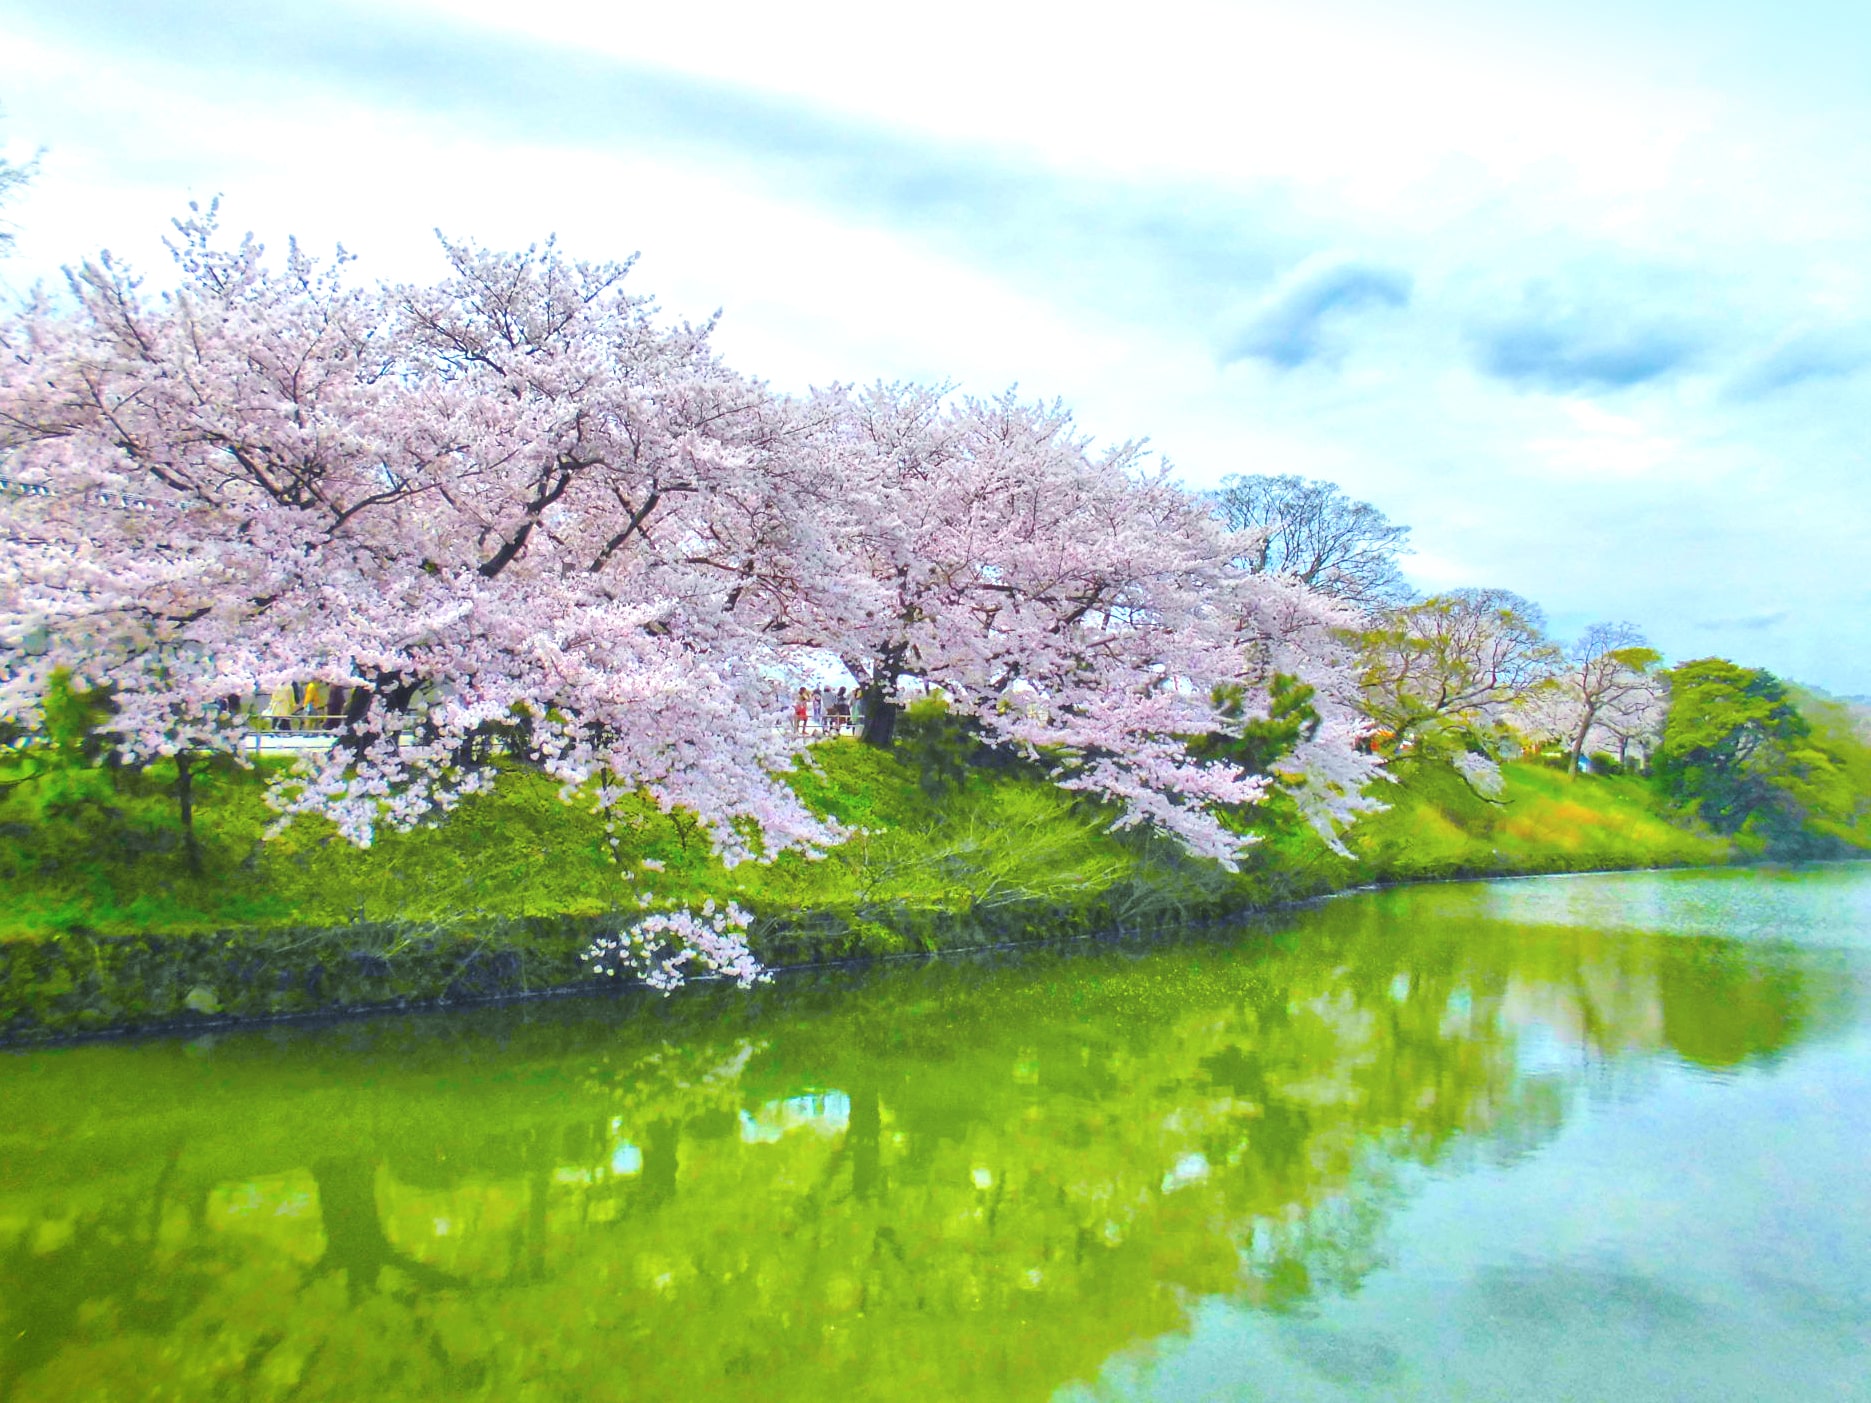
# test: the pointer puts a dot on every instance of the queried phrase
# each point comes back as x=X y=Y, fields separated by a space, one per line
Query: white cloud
x=1603 y=445
x=1083 y=203
x=1249 y=91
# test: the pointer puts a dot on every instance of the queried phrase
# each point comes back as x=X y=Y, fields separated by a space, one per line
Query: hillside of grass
x=1544 y=820
x=105 y=925
x=85 y=851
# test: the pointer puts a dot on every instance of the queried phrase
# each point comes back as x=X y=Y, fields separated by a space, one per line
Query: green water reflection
x=958 y=1180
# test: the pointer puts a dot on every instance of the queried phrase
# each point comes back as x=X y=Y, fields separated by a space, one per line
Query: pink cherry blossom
x=514 y=513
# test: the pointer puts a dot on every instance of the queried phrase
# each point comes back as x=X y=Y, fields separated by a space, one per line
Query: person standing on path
x=281 y=706
x=316 y=706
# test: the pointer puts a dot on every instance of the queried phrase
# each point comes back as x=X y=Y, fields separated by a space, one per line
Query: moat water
x=1601 y=1138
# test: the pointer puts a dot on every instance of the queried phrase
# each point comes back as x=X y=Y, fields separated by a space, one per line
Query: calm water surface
x=1598 y=1138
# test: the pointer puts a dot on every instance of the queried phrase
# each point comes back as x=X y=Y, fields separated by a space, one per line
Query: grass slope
x=104 y=927
x=1544 y=821
x=78 y=854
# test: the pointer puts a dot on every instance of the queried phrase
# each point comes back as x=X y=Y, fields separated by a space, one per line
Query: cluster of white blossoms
x=660 y=949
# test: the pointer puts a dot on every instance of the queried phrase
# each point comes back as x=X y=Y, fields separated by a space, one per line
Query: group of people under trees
x=823 y=711
x=310 y=706
x=316 y=706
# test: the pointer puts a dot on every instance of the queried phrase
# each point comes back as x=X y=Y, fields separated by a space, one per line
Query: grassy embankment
x=104 y=926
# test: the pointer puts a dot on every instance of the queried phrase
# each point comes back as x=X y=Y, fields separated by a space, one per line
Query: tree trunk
x=356 y=703
x=185 y=801
x=1578 y=741
x=880 y=716
x=877 y=684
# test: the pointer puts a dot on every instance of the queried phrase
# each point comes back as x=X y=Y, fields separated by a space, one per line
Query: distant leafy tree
x=1450 y=667
x=1312 y=532
x=1842 y=729
x=1737 y=751
x=944 y=746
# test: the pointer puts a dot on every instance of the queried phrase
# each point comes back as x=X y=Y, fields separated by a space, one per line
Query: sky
x=1581 y=293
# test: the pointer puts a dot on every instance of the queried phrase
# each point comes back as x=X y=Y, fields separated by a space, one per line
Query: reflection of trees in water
x=98 y=1272
x=1020 y=1171
x=354 y=1239
x=1721 y=1008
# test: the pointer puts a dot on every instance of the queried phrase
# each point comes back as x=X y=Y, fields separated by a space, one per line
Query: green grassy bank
x=105 y=926
x=1543 y=821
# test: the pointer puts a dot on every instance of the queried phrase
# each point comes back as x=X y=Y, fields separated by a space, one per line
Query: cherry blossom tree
x=1074 y=603
x=1631 y=726
x=1607 y=677
x=512 y=513
x=1605 y=695
x=1541 y=719
x=508 y=510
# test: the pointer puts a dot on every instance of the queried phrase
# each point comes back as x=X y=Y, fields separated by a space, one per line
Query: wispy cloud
x=1748 y=623
x=1126 y=218
x=1139 y=247
x=1575 y=355
x=1597 y=322
x=1288 y=327
x=1824 y=353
